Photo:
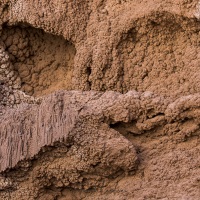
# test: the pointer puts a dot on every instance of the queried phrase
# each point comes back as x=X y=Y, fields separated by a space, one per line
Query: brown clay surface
x=44 y=62
x=125 y=123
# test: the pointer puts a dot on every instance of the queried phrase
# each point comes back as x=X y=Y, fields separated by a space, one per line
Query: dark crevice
x=89 y=71
x=126 y=128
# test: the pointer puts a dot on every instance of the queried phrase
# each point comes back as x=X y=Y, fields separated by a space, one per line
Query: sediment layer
x=99 y=99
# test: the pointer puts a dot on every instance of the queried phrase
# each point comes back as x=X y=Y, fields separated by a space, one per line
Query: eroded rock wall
x=44 y=62
x=135 y=135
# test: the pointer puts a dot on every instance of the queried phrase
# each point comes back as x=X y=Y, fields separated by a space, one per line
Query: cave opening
x=43 y=61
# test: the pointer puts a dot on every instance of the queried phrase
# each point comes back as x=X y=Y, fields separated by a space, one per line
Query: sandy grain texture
x=99 y=99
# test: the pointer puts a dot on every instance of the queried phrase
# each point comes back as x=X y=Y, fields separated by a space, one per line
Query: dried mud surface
x=99 y=99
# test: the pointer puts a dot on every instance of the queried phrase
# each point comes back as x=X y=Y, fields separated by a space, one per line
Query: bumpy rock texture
x=99 y=99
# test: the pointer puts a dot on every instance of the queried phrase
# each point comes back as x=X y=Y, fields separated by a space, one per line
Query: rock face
x=99 y=99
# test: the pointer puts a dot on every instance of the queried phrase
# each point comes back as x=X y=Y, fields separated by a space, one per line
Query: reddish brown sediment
x=99 y=99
